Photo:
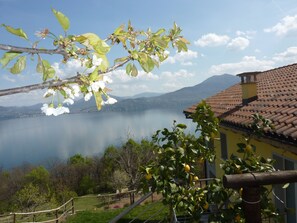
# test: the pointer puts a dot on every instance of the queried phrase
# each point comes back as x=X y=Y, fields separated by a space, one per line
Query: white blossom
x=42 y=34
x=107 y=79
x=110 y=101
x=88 y=96
x=76 y=90
x=95 y=86
x=69 y=93
x=48 y=110
x=61 y=110
x=49 y=92
x=68 y=101
x=96 y=61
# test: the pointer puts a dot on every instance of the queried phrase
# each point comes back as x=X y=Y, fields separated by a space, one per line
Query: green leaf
x=161 y=43
x=39 y=66
x=286 y=185
x=94 y=41
x=80 y=39
x=181 y=46
x=98 y=99
x=63 y=20
x=182 y=126
x=159 y=32
x=120 y=60
x=47 y=70
x=18 y=32
x=19 y=66
x=119 y=30
x=104 y=64
x=7 y=57
x=129 y=68
x=134 y=71
x=94 y=75
x=146 y=62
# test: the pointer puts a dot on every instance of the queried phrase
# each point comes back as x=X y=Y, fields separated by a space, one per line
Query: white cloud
x=247 y=34
x=124 y=85
x=238 y=43
x=290 y=55
x=183 y=57
x=180 y=73
x=122 y=76
x=287 y=25
x=212 y=39
x=69 y=69
x=8 y=78
x=23 y=99
x=248 y=63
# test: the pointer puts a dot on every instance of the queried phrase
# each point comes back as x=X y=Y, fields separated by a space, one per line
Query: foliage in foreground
x=29 y=188
x=173 y=172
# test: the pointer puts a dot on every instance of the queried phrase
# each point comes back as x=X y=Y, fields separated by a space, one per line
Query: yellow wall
x=265 y=149
x=249 y=90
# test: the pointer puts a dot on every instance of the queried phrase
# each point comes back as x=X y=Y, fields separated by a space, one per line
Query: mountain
x=177 y=100
x=146 y=95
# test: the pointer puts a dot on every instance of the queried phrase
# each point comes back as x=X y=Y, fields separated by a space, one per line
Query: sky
x=226 y=36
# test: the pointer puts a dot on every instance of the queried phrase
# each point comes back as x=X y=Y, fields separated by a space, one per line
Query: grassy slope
x=142 y=213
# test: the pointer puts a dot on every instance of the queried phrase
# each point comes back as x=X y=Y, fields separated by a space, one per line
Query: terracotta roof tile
x=277 y=101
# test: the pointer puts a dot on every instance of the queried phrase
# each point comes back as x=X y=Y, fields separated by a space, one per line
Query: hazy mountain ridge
x=177 y=100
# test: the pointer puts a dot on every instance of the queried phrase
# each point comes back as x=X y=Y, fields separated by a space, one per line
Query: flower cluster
x=96 y=86
x=73 y=91
x=49 y=109
x=70 y=93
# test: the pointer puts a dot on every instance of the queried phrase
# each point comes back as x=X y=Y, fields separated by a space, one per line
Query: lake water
x=39 y=140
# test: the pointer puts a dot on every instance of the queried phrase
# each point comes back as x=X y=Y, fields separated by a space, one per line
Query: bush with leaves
x=174 y=172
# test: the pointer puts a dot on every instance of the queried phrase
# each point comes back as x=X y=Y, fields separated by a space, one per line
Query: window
x=224 y=152
x=288 y=195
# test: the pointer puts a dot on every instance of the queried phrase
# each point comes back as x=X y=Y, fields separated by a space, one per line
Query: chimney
x=249 y=86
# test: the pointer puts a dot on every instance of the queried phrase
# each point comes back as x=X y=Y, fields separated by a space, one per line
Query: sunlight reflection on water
x=40 y=139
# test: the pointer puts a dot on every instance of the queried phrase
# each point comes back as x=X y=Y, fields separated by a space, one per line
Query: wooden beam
x=257 y=179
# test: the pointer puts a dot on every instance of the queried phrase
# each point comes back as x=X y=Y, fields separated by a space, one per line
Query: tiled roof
x=277 y=101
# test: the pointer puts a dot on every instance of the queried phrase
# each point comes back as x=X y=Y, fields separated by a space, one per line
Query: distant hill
x=177 y=100
x=146 y=95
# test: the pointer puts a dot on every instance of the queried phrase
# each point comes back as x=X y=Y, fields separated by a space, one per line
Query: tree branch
x=53 y=83
x=32 y=50
x=47 y=84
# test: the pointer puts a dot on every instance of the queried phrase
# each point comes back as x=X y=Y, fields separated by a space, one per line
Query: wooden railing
x=46 y=216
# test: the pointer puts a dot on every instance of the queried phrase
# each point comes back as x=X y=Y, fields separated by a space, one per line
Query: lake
x=39 y=140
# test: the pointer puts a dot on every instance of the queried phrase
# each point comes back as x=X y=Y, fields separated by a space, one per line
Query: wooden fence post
x=251 y=182
x=14 y=218
x=251 y=204
x=72 y=208
x=57 y=216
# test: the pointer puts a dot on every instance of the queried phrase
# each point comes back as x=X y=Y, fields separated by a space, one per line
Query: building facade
x=272 y=94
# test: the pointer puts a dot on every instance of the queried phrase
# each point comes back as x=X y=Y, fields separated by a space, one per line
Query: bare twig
x=32 y=50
